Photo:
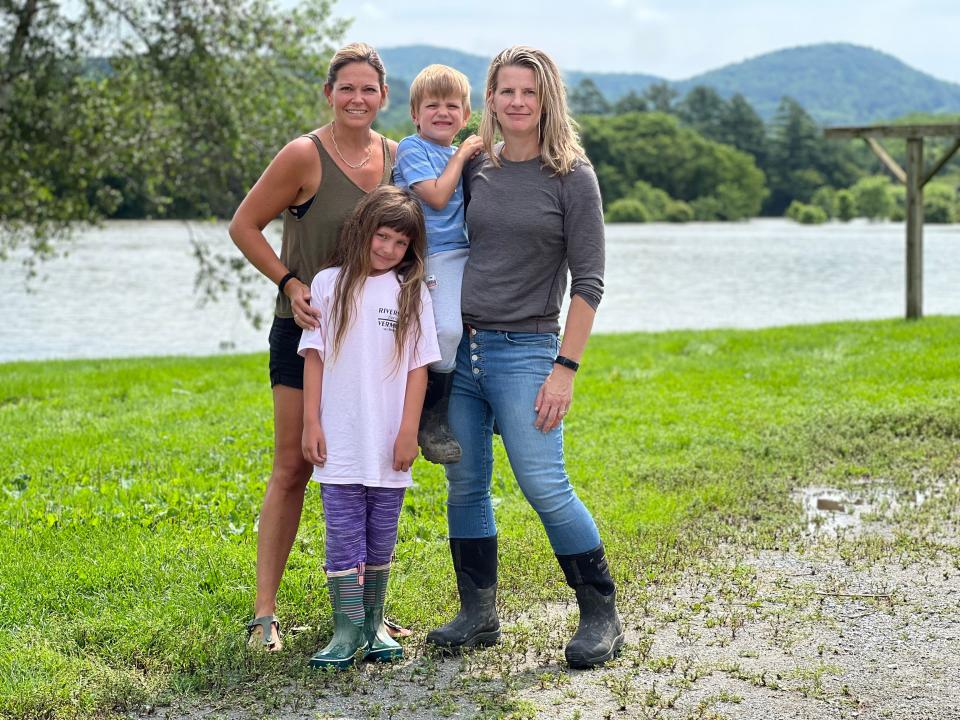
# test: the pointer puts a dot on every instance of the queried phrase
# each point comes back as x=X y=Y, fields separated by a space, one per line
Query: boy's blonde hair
x=560 y=147
x=439 y=81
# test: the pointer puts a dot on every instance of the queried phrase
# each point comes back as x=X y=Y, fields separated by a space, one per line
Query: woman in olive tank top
x=314 y=182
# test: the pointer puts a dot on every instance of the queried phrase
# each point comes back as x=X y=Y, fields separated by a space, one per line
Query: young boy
x=428 y=164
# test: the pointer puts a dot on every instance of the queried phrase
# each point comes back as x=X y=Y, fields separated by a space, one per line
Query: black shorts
x=286 y=367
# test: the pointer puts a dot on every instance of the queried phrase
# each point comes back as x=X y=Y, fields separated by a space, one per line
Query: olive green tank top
x=308 y=241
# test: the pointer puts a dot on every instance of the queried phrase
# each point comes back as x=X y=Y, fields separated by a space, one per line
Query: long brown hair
x=560 y=148
x=397 y=209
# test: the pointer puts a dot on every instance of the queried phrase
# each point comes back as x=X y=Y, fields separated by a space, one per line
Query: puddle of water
x=831 y=510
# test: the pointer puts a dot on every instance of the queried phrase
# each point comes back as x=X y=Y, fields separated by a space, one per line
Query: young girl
x=364 y=380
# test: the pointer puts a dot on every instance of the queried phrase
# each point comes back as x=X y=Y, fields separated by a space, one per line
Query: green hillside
x=835 y=82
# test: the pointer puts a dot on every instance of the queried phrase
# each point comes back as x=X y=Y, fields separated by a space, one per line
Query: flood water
x=127 y=288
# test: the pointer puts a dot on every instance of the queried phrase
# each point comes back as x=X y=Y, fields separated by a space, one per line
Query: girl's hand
x=304 y=315
x=405 y=450
x=314 y=444
x=554 y=399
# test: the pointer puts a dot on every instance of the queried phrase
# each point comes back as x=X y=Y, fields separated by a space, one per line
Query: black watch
x=567 y=363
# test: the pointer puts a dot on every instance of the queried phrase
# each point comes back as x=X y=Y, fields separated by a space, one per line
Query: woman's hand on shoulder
x=554 y=399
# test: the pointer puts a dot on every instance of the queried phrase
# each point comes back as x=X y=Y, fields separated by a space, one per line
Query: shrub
x=806 y=214
x=653 y=199
x=678 y=212
x=846 y=206
x=707 y=208
x=825 y=198
x=940 y=203
x=874 y=197
x=627 y=210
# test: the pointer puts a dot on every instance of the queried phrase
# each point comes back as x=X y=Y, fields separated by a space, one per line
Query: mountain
x=403 y=64
x=837 y=83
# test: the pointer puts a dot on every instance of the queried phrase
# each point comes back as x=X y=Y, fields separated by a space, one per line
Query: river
x=127 y=288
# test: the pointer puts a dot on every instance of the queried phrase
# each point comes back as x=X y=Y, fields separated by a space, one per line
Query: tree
x=742 y=127
x=704 y=110
x=179 y=120
x=660 y=96
x=631 y=102
x=800 y=159
x=586 y=99
x=655 y=148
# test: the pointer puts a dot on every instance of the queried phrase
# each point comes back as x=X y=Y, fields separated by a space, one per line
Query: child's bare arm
x=437 y=192
x=405 y=449
x=314 y=444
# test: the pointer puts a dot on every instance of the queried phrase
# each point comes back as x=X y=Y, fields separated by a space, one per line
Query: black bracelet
x=284 y=280
x=567 y=363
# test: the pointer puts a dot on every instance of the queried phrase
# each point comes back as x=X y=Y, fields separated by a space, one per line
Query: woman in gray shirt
x=534 y=214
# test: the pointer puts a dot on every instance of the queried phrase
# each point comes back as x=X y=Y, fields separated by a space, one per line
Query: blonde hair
x=399 y=210
x=439 y=81
x=352 y=53
x=560 y=148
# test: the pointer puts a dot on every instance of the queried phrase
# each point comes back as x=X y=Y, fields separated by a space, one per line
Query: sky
x=675 y=39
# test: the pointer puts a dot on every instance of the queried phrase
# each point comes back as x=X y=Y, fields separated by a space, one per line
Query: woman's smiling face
x=516 y=101
x=356 y=96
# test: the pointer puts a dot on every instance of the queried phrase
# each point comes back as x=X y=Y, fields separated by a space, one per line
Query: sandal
x=395 y=630
x=268 y=642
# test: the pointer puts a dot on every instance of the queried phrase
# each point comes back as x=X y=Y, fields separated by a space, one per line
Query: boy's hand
x=314 y=445
x=405 y=450
x=470 y=147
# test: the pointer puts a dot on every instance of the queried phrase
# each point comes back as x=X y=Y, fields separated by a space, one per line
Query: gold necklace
x=349 y=164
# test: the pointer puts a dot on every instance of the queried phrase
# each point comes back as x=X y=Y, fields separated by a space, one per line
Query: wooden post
x=915 y=228
x=914 y=178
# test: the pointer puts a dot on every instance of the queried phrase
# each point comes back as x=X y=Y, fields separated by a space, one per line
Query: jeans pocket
x=528 y=339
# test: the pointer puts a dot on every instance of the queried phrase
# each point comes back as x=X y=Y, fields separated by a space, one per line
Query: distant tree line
x=703 y=157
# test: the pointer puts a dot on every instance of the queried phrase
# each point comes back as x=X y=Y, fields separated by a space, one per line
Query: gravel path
x=860 y=619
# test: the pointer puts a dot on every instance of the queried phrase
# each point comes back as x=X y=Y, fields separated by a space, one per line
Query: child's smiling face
x=440 y=119
x=387 y=249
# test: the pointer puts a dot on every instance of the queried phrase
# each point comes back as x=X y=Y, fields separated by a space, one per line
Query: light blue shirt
x=419 y=160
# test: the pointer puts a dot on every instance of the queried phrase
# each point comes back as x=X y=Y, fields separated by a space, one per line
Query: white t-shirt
x=361 y=404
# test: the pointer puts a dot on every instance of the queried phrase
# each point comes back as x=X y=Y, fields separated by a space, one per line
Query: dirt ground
x=860 y=618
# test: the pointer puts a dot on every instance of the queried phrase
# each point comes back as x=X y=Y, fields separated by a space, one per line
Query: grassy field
x=129 y=493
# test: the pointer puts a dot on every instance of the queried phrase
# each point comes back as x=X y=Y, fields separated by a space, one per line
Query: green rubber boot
x=348 y=641
x=381 y=647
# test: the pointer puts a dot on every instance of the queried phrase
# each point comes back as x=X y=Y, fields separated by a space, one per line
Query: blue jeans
x=499 y=374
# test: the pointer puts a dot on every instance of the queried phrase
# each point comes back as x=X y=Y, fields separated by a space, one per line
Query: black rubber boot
x=599 y=635
x=475 y=565
x=435 y=438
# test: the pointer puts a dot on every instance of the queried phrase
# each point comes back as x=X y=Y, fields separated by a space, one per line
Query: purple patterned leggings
x=361 y=524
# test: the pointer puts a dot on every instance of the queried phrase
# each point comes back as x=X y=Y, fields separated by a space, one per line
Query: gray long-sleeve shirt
x=527 y=227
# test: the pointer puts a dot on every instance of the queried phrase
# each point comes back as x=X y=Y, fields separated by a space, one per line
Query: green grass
x=129 y=493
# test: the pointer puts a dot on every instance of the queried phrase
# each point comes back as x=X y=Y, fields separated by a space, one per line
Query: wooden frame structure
x=914 y=177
